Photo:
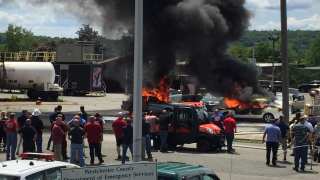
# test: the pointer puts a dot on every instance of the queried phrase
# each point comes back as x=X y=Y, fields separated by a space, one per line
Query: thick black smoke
x=197 y=30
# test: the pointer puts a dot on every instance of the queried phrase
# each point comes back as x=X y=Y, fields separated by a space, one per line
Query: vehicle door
x=184 y=130
x=209 y=177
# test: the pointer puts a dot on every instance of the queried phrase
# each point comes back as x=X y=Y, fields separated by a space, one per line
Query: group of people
x=28 y=126
x=154 y=129
x=302 y=133
x=81 y=126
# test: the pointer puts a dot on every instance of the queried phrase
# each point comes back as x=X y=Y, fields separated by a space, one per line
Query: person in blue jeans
x=127 y=140
x=300 y=135
x=76 y=135
x=37 y=123
x=273 y=134
x=164 y=121
x=11 y=128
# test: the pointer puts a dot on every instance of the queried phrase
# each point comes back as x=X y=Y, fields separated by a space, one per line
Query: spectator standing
x=28 y=135
x=273 y=134
x=84 y=114
x=52 y=118
x=117 y=127
x=284 y=128
x=154 y=130
x=22 y=119
x=11 y=131
x=94 y=134
x=146 y=139
x=300 y=136
x=76 y=135
x=127 y=140
x=3 y=137
x=230 y=128
x=37 y=123
x=317 y=141
x=58 y=135
x=164 y=120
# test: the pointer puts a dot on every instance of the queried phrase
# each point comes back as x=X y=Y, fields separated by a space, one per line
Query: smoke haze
x=197 y=30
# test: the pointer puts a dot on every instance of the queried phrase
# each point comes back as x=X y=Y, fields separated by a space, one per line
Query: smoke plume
x=197 y=30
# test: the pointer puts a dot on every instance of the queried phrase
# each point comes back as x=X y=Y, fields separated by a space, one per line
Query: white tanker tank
x=37 y=77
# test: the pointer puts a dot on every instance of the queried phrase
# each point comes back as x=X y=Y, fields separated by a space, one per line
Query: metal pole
x=284 y=57
x=138 y=78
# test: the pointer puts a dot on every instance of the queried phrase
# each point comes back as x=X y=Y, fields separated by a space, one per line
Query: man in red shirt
x=230 y=128
x=58 y=136
x=94 y=134
x=11 y=128
x=117 y=127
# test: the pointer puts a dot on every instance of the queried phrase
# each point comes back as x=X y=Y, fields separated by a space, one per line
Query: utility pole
x=284 y=57
x=273 y=38
x=138 y=79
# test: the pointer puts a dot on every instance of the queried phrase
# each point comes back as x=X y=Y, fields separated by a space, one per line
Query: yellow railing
x=28 y=56
x=92 y=57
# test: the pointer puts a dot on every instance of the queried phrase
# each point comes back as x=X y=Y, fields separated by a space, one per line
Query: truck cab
x=190 y=125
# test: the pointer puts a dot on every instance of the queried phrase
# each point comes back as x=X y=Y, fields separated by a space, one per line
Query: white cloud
x=309 y=23
x=275 y=4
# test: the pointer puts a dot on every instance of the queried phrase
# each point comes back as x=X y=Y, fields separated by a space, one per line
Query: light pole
x=284 y=57
x=138 y=78
x=273 y=38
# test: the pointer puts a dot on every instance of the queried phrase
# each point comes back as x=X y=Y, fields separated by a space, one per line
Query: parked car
x=306 y=87
x=212 y=102
x=296 y=101
x=183 y=171
x=33 y=169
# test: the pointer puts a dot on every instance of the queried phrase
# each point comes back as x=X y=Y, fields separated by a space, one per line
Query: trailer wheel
x=203 y=145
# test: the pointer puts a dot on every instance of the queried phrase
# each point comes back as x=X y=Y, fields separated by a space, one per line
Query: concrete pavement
x=247 y=163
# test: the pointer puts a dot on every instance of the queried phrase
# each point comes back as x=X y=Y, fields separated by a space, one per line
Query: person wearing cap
x=28 y=135
x=300 y=136
x=3 y=137
x=76 y=136
x=58 y=135
x=117 y=127
x=94 y=135
x=37 y=123
x=273 y=134
x=11 y=128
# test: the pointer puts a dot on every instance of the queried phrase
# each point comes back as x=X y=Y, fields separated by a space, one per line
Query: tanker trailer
x=35 y=77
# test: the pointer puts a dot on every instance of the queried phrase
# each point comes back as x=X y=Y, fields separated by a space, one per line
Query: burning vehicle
x=257 y=109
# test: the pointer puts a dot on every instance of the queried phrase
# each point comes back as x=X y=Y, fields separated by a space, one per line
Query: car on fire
x=190 y=125
x=260 y=109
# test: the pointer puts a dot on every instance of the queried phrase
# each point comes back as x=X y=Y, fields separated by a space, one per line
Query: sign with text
x=134 y=171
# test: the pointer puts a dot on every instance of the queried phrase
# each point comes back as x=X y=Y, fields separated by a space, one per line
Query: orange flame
x=161 y=93
x=235 y=103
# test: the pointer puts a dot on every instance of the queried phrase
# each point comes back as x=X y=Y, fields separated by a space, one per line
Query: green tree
x=239 y=51
x=18 y=39
x=313 y=54
x=87 y=33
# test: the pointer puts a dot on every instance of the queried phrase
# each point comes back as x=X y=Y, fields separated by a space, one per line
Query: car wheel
x=268 y=117
x=203 y=145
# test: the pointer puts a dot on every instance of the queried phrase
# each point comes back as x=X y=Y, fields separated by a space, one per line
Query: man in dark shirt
x=300 y=136
x=37 y=123
x=28 y=134
x=284 y=128
x=164 y=120
x=146 y=138
x=76 y=135
x=22 y=119
x=84 y=114
x=127 y=140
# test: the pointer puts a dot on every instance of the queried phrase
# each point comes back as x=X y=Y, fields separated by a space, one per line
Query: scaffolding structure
x=43 y=56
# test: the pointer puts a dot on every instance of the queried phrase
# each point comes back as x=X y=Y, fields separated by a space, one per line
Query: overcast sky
x=52 y=21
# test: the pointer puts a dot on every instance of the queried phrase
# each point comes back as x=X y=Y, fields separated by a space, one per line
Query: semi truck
x=37 y=78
